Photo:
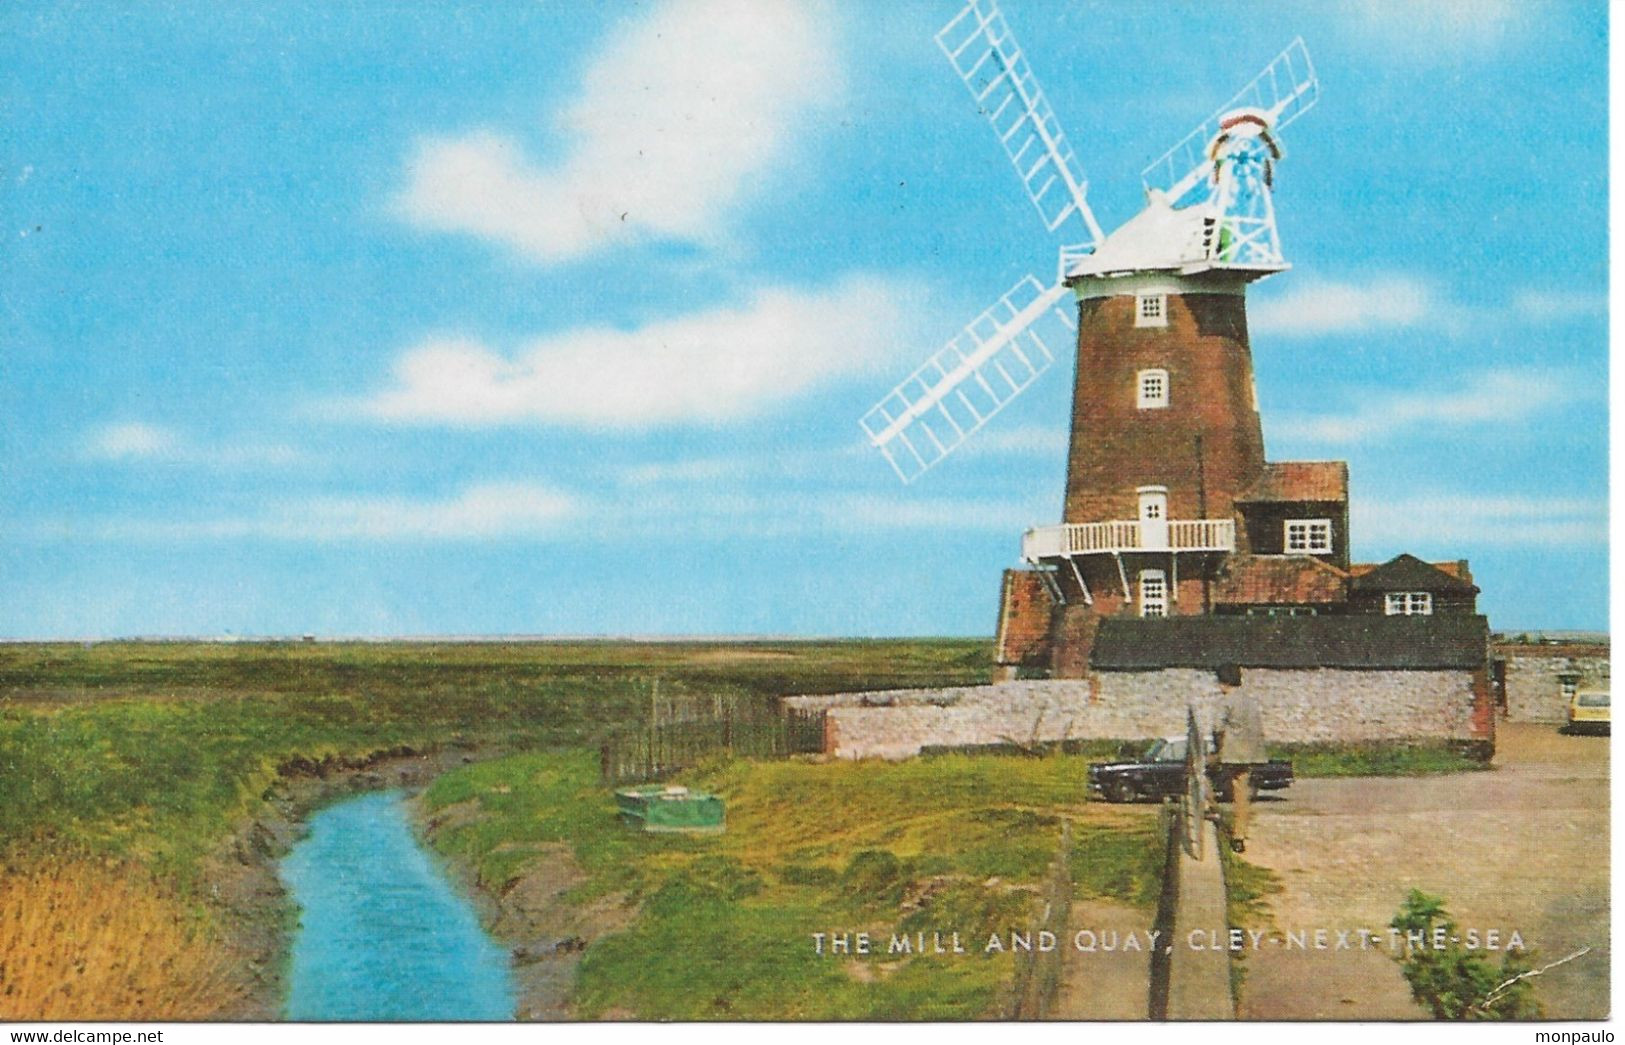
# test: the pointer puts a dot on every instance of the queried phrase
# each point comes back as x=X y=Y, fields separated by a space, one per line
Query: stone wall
x=1298 y=706
x=1534 y=678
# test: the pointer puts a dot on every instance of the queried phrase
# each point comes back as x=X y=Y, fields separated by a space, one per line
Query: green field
x=724 y=922
x=144 y=759
x=157 y=751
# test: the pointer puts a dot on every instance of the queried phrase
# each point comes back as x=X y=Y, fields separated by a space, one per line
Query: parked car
x=1161 y=774
x=1588 y=711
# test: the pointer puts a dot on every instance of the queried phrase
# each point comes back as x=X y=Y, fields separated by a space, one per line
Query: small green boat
x=668 y=807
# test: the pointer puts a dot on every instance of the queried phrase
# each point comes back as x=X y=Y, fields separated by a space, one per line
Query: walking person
x=1239 y=739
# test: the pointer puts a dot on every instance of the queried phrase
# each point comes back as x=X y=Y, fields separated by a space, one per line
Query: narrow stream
x=383 y=934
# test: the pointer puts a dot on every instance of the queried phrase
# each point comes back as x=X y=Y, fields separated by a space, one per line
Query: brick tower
x=1166 y=473
x=1165 y=435
x=1179 y=545
x=1171 y=509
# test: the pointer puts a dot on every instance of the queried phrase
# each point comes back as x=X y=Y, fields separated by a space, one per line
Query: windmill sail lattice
x=968 y=380
x=1285 y=90
x=989 y=62
x=1225 y=165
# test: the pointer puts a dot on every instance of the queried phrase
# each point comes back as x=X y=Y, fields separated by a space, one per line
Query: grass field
x=147 y=756
x=724 y=922
x=155 y=751
x=1373 y=759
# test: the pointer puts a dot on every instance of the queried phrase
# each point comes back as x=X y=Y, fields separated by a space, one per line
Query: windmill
x=1209 y=210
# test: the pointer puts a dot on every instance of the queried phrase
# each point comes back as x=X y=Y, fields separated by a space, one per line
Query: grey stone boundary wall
x=1323 y=705
x=1534 y=682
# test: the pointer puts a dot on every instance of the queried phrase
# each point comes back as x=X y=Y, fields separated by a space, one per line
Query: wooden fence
x=681 y=732
x=1038 y=973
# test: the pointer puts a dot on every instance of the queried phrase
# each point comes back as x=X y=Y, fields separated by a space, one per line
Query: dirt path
x=1101 y=984
x=1523 y=847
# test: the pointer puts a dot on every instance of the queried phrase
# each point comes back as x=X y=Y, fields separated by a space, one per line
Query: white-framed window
x=1151 y=389
x=1151 y=310
x=1153 y=593
x=1313 y=536
x=1409 y=603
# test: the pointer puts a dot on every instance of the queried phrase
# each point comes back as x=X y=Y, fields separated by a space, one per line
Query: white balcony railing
x=1128 y=535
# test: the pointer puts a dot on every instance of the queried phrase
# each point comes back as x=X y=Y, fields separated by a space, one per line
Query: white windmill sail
x=991 y=65
x=1285 y=90
x=967 y=381
x=1001 y=353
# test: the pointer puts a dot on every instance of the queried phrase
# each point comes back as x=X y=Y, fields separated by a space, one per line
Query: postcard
x=804 y=511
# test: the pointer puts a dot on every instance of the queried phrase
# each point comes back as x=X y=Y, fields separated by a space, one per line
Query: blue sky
x=559 y=318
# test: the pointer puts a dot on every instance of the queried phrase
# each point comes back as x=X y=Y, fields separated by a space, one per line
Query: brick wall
x=1318 y=705
x=1117 y=447
x=1073 y=638
x=1024 y=616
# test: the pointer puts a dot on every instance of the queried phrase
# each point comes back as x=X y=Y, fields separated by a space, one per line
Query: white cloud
x=140 y=441
x=489 y=510
x=706 y=367
x=693 y=470
x=1400 y=301
x=1449 y=521
x=739 y=514
x=1494 y=397
x=1318 y=307
x=485 y=510
x=134 y=440
x=677 y=120
x=1440 y=30
x=531 y=510
x=878 y=512
x=1024 y=441
x=1546 y=306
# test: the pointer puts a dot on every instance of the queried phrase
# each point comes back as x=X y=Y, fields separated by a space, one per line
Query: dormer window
x=1409 y=604
x=1309 y=536
x=1151 y=310
x=1152 y=390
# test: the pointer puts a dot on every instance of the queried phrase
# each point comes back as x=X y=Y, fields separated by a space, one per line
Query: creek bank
x=545 y=933
x=528 y=915
x=384 y=932
x=257 y=914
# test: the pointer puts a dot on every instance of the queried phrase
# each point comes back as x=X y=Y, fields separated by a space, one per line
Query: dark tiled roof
x=1454 y=567
x=1408 y=573
x=1256 y=580
x=1300 y=481
x=1353 y=641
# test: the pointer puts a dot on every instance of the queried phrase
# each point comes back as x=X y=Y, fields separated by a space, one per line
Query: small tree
x=1453 y=982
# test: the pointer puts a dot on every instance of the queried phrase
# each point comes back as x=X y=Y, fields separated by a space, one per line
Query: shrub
x=1455 y=983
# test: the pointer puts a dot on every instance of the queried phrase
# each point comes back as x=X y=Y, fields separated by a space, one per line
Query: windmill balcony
x=1128 y=535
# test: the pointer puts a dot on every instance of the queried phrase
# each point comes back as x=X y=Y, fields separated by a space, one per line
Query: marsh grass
x=88 y=940
x=724 y=922
x=155 y=751
x=151 y=755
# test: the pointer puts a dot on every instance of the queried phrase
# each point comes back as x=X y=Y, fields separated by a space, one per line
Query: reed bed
x=87 y=940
